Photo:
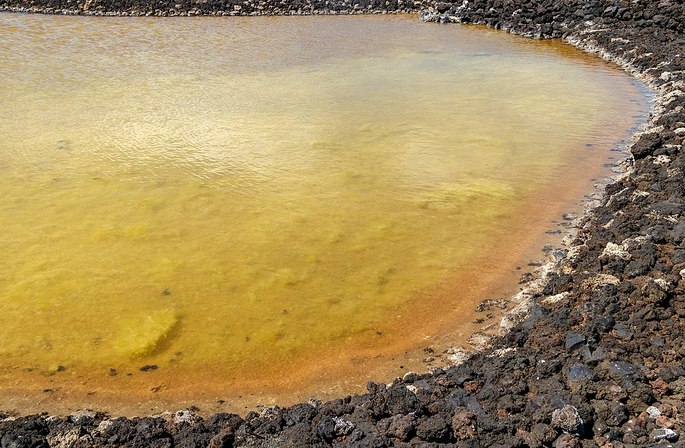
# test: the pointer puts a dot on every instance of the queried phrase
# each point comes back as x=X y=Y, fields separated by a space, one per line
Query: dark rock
x=678 y=233
x=224 y=439
x=580 y=372
x=15 y=440
x=433 y=429
x=402 y=427
x=668 y=208
x=567 y=441
x=623 y=331
x=678 y=256
x=646 y=145
x=602 y=324
x=326 y=428
x=473 y=405
x=574 y=340
x=442 y=6
x=463 y=425
x=618 y=415
x=300 y=413
x=543 y=433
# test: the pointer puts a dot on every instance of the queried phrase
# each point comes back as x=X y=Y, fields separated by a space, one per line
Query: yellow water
x=256 y=205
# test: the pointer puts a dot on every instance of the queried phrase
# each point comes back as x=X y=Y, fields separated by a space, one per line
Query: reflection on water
x=221 y=197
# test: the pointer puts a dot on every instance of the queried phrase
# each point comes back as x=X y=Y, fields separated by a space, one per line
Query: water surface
x=266 y=207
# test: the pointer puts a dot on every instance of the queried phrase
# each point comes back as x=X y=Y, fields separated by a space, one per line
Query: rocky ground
x=598 y=358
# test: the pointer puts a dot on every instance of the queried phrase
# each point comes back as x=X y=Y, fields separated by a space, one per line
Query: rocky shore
x=595 y=358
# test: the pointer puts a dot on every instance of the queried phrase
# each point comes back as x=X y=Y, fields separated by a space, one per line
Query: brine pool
x=258 y=210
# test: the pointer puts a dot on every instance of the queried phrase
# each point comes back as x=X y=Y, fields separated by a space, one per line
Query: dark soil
x=598 y=359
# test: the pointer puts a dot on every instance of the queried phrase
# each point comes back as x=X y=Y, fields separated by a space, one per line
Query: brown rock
x=567 y=441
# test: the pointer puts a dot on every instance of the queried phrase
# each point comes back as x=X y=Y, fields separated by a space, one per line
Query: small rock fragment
x=567 y=419
x=664 y=434
x=613 y=250
x=573 y=340
x=653 y=412
x=342 y=426
x=567 y=441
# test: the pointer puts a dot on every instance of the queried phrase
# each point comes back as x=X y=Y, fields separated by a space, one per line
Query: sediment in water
x=597 y=359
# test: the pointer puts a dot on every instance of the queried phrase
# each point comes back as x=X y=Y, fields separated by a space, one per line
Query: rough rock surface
x=598 y=361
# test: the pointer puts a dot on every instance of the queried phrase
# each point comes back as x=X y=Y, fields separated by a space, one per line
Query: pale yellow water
x=255 y=205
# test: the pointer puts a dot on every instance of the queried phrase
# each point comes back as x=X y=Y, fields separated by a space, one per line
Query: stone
x=567 y=441
x=567 y=419
x=678 y=232
x=618 y=414
x=610 y=11
x=580 y=372
x=443 y=6
x=545 y=434
x=63 y=440
x=668 y=208
x=665 y=422
x=574 y=340
x=186 y=417
x=343 y=427
x=402 y=427
x=433 y=429
x=653 y=412
x=84 y=416
x=620 y=370
x=326 y=428
x=664 y=434
x=613 y=250
x=144 y=334
x=646 y=145
x=224 y=439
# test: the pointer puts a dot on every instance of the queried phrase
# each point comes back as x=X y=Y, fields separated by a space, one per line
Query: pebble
x=653 y=412
x=580 y=372
x=559 y=254
x=185 y=416
x=664 y=434
x=567 y=441
x=573 y=340
x=567 y=419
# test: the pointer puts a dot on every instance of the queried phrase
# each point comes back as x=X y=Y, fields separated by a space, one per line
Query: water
x=269 y=207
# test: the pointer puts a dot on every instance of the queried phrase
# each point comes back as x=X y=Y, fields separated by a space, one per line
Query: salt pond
x=270 y=208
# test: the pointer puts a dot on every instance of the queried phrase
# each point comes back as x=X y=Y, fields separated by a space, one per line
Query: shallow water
x=231 y=199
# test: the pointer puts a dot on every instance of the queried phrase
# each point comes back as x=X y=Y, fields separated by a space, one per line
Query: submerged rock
x=467 y=195
x=146 y=333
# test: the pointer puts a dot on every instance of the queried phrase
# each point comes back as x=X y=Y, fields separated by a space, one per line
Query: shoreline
x=597 y=357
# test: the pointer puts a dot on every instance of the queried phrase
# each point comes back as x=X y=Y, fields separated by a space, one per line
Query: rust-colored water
x=267 y=209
